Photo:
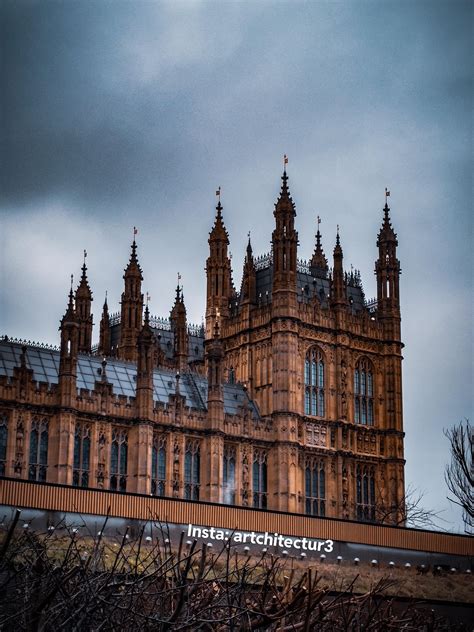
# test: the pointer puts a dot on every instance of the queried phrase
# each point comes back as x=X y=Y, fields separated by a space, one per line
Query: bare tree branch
x=459 y=473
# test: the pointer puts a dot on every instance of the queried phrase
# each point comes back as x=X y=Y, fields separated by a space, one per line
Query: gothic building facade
x=289 y=397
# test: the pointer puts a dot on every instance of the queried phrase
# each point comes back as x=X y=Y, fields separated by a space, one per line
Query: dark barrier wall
x=349 y=539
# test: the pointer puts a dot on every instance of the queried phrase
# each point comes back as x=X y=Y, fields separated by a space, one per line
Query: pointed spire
x=133 y=264
x=83 y=290
x=70 y=313
x=248 y=286
x=104 y=333
x=338 y=286
x=219 y=232
x=285 y=202
x=337 y=248
x=249 y=250
x=319 y=263
x=386 y=233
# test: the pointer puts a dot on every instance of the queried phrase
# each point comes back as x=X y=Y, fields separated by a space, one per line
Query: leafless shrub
x=66 y=580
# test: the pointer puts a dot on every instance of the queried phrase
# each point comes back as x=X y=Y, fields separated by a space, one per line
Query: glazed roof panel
x=44 y=362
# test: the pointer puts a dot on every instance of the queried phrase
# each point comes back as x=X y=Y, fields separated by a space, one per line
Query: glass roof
x=44 y=362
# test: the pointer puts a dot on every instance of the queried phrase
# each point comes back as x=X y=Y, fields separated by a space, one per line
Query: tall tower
x=131 y=308
x=284 y=349
x=62 y=439
x=142 y=433
x=180 y=330
x=219 y=275
x=387 y=270
x=83 y=311
x=69 y=349
x=145 y=362
x=214 y=446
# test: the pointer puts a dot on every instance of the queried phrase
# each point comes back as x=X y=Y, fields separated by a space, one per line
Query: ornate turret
x=132 y=308
x=219 y=275
x=83 y=311
x=104 y=336
x=179 y=328
x=319 y=263
x=248 y=290
x=338 y=286
x=69 y=348
x=284 y=241
x=387 y=269
x=145 y=362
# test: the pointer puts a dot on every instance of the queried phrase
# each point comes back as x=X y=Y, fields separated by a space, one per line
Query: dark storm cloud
x=118 y=114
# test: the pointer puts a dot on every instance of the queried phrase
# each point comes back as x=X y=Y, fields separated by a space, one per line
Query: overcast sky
x=118 y=114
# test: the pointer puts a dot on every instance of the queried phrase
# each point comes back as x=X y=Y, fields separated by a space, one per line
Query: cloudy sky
x=119 y=113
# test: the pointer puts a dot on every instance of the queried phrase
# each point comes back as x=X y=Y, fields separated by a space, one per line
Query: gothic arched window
x=158 y=465
x=3 y=442
x=259 y=479
x=315 y=487
x=192 y=469
x=38 y=450
x=314 y=383
x=82 y=448
x=365 y=493
x=118 y=460
x=364 y=393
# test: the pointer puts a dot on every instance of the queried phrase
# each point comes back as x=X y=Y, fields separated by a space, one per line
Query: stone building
x=288 y=397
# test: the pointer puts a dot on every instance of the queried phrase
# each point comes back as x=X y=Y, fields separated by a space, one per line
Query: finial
x=285 y=162
x=105 y=302
x=84 y=264
x=103 y=373
x=337 y=236
x=148 y=298
x=249 y=247
x=134 y=243
x=72 y=281
x=387 y=195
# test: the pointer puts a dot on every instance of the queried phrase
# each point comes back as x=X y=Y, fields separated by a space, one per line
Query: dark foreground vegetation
x=67 y=579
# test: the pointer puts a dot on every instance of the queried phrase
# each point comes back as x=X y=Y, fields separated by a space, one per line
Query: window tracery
x=314 y=370
x=364 y=393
